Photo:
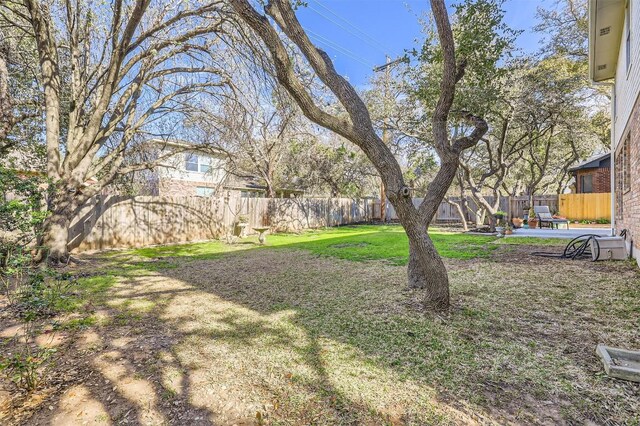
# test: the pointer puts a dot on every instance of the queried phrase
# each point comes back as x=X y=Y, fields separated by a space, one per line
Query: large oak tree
x=426 y=269
x=108 y=73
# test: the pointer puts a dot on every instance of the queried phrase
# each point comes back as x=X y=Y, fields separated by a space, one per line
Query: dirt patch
x=283 y=336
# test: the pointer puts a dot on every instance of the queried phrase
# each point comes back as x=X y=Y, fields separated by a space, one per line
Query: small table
x=555 y=223
x=262 y=231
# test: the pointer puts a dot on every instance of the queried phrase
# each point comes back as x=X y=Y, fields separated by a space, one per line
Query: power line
x=338 y=47
x=335 y=44
x=344 y=53
x=378 y=47
x=370 y=40
x=360 y=30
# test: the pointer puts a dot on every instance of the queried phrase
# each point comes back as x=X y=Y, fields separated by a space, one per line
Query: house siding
x=175 y=180
x=601 y=180
x=626 y=121
x=627 y=82
x=183 y=188
x=176 y=171
x=629 y=218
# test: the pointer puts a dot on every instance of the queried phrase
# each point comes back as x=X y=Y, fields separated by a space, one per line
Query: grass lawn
x=357 y=243
x=319 y=328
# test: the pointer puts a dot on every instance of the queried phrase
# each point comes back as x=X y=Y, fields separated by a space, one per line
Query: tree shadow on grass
x=260 y=335
x=143 y=364
x=518 y=356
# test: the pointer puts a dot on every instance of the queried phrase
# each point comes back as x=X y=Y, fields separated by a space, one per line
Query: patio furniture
x=545 y=217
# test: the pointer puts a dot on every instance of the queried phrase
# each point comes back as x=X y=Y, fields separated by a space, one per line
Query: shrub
x=28 y=364
x=22 y=211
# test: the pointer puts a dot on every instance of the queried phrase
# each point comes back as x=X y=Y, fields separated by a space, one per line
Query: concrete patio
x=559 y=233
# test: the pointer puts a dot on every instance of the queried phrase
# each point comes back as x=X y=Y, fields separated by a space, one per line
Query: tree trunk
x=492 y=221
x=55 y=237
x=426 y=270
x=271 y=193
x=463 y=217
x=460 y=212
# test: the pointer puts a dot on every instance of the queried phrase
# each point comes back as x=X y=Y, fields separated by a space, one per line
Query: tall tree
x=558 y=126
x=324 y=165
x=566 y=29
x=20 y=102
x=426 y=269
x=254 y=128
x=108 y=71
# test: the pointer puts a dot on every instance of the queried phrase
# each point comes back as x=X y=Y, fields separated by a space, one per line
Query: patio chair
x=545 y=217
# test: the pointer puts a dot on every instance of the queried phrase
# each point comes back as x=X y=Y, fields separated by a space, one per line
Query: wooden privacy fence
x=120 y=221
x=519 y=206
x=586 y=206
x=571 y=206
x=514 y=206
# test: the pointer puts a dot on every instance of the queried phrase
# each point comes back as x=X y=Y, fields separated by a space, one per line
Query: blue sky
x=358 y=33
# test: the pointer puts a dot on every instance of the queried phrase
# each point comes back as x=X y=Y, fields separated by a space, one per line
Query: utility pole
x=385 y=136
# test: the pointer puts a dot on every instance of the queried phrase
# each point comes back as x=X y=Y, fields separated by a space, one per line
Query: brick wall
x=601 y=180
x=630 y=217
x=181 y=188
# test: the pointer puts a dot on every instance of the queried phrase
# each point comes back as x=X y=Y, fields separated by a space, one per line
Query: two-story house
x=188 y=171
x=614 y=59
x=193 y=170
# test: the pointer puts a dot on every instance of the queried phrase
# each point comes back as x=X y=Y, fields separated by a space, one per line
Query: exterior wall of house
x=185 y=188
x=600 y=178
x=627 y=80
x=626 y=123
x=629 y=217
x=176 y=180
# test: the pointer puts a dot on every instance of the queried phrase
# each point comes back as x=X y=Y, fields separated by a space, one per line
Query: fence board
x=119 y=221
x=586 y=206
x=514 y=206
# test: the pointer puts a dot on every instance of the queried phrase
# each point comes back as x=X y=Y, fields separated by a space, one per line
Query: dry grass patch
x=283 y=336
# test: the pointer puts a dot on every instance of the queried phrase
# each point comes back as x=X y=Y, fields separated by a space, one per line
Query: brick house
x=188 y=171
x=593 y=175
x=614 y=59
x=191 y=170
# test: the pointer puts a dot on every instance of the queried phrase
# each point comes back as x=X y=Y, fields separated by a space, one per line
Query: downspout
x=612 y=166
x=593 y=7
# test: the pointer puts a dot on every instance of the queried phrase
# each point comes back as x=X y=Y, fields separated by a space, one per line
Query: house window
x=191 y=162
x=618 y=184
x=622 y=173
x=248 y=194
x=626 y=163
x=628 y=35
x=586 y=184
x=197 y=163
x=205 y=164
x=204 y=191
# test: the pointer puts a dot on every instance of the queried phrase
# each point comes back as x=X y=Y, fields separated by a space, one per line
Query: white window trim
x=199 y=162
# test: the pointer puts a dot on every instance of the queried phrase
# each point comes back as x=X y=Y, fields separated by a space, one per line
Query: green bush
x=26 y=368
x=44 y=294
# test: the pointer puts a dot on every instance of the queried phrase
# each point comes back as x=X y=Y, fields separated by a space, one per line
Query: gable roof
x=606 y=21
x=602 y=160
x=184 y=146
